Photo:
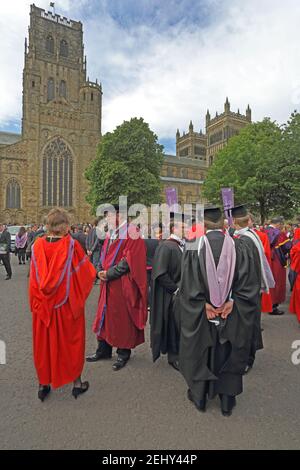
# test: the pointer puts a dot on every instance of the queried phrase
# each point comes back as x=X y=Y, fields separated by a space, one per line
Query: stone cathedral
x=61 y=126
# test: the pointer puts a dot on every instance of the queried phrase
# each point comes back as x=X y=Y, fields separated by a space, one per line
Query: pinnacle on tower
x=207 y=118
x=191 y=127
x=177 y=134
x=227 y=105
x=248 y=113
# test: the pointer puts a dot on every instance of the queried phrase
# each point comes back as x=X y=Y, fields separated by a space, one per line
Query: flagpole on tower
x=52 y=5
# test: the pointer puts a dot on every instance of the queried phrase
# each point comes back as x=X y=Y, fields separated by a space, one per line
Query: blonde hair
x=58 y=221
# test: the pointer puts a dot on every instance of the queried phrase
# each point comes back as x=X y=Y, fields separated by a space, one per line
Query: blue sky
x=170 y=60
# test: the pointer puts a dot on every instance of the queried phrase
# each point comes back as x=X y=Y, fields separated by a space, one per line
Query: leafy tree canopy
x=128 y=163
x=262 y=164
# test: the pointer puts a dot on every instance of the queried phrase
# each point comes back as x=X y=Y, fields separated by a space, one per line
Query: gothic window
x=50 y=89
x=211 y=160
x=92 y=96
x=57 y=175
x=184 y=173
x=63 y=89
x=199 y=150
x=169 y=171
x=184 y=152
x=50 y=44
x=13 y=195
x=64 y=48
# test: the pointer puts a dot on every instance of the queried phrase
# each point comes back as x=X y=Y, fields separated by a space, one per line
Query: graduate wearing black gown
x=213 y=358
x=166 y=273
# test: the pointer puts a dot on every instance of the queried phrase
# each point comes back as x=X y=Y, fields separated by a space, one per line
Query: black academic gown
x=166 y=274
x=212 y=360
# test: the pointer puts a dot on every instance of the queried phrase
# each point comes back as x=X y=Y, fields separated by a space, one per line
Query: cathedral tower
x=61 y=115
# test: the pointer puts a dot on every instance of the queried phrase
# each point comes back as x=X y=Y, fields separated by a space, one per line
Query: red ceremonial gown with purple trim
x=122 y=309
x=280 y=245
x=61 y=278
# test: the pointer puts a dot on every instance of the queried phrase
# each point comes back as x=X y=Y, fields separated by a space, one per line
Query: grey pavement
x=143 y=406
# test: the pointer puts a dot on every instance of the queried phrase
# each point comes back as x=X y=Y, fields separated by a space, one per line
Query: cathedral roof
x=8 y=138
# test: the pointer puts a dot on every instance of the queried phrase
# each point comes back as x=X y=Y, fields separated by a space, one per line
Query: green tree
x=291 y=161
x=128 y=163
x=252 y=163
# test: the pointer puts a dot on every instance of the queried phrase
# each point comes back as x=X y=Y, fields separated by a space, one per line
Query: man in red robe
x=280 y=246
x=295 y=271
x=61 y=278
x=122 y=309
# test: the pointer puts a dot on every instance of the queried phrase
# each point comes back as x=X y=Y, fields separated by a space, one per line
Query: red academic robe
x=122 y=310
x=266 y=299
x=279 y=271
x=61 y=278
x=295 y=266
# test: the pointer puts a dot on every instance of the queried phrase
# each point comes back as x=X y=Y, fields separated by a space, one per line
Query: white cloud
x=248 y=51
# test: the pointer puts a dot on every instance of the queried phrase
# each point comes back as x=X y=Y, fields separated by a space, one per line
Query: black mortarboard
x=213 y=214
x=111 y=207
x=239 y=211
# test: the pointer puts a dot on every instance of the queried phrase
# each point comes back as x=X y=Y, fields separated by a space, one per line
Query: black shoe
x=202 y=404
x=174 y=364
x=43 y=392
x=8 y=278
x=120 y=363
x=79 y=390
x=227 y=404
x=98 y=356
x=277 y=312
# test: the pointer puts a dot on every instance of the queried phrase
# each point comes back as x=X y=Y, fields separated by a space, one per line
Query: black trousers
x=21 y=255
x=6 y=261
x=103 y=346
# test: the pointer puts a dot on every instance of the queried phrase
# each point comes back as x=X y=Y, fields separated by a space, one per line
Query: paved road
x=144 y=406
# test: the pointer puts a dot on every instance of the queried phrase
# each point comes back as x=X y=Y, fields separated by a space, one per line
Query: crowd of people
x=205 y=286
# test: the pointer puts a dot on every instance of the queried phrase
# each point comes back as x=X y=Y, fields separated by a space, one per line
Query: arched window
x=211 y=160
x=50 y=44
x=184 y=173
x=170 y=171
x=13 y=195
x=57 y=174
x=63 y=89
x=63 y=48
x=50 y=89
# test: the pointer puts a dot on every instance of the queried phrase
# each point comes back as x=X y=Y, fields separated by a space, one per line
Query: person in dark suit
x=80 y=236
x=5 y=241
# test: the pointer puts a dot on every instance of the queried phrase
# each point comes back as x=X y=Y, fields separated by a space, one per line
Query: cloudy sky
x=170 y=60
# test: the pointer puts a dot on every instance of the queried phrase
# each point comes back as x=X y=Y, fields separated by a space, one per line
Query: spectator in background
x=93 y=246
x=21 y=244
x=5 y=241
x=80 y=236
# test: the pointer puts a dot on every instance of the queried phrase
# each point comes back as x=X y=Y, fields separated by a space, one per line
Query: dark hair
x=22 y=231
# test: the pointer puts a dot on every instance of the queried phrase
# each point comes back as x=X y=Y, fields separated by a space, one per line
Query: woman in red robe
x=295 y=266
x=61 y=278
